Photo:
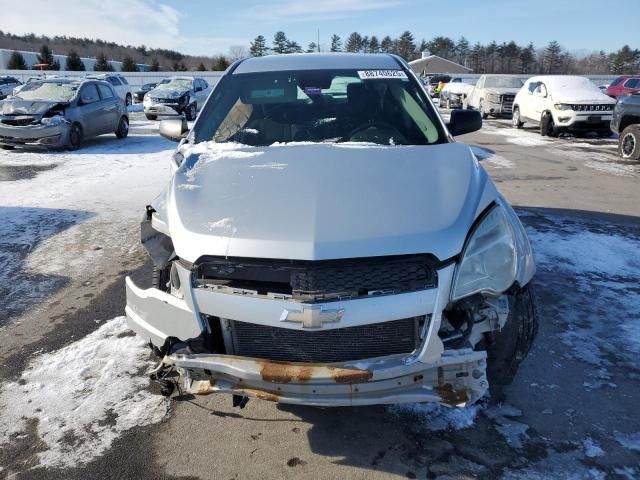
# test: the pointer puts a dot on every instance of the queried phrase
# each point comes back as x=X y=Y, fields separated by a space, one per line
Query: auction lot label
x=375 y=74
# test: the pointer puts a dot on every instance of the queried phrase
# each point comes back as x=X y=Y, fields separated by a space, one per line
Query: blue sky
x=211 y=27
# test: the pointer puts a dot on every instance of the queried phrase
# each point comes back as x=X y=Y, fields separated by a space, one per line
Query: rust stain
x=268 y=396
x=450 y=396
x=282 y=372
x=343 y=375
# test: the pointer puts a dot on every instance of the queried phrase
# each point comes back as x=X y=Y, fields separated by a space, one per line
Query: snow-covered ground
x=79 y=208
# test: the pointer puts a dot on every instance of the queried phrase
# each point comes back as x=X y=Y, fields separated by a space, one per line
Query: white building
x=31 y=58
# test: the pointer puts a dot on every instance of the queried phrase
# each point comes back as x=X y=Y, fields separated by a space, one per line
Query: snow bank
x=83 y=396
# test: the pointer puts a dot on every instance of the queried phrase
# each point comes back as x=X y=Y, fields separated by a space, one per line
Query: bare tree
x=236 y=52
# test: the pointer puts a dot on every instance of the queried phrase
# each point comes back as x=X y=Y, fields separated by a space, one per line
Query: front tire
x=191 y=112
x=629 y=143
x=515 y=119
x=123 y=128
x=507 y=348
x=547 y=126
x=75 y=137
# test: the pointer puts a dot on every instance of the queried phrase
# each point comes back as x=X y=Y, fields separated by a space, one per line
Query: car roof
x=318 y=61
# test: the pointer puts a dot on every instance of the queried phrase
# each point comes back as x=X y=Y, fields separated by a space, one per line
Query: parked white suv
x=561 y=103
x=119 y=83
x=493 y=94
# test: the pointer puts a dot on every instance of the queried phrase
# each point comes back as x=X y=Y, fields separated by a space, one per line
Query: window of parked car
x=502 y=82
x=123 y=80
x=114 y=81
x=616 y=81
x=89 y=94
x=105 y=91
x=632 y=83
x=532 y=87
x=261 y=109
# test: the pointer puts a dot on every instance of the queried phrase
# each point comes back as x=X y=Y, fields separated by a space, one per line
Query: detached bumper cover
x=162 y=109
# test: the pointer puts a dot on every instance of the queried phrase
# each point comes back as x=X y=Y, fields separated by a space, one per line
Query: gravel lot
x=74 y=401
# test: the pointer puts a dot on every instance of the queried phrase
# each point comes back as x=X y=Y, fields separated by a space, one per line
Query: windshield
x=503 y=82
x=176 y=84
x=52 y=91
x=374 y=106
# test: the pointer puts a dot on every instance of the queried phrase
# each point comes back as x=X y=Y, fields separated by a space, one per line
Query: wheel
x=629 y=143
x=547 y=127
x=191 y=112
x=123 y=128
x=482 y=112
x=515 y=119
x=160 y=278
x=151 y=117
x=75 y=136
x=507 y=348
x=128 y=100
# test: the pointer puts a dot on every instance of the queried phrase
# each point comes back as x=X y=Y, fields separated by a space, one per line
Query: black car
x=138 y=95
x=626 y=122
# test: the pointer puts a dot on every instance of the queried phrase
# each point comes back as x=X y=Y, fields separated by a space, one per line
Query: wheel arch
x=628 y=120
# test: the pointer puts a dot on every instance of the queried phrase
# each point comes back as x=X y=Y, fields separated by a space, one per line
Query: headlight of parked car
x=51 y=121
x=562 y=106
x=494 y=98
x=146 y=98
x=489 y=260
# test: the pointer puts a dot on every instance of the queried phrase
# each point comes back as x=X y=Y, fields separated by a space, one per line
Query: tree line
x=505 y=57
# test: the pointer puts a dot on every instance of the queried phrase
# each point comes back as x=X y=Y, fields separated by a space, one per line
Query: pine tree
x=128 y=65
x=102 y=64
x=406 y=46
x=374 y=45
x=16 y=61
x=280 y=43
x=202 y=68
x=46 y=56
x=553 y=57
x=155 y=65
x=354 y=43
x=220 y=63
x=386 y=46
x=313 y=47
x=336 y=43
x=293 y=47
x=258 y=47
x=74 y=62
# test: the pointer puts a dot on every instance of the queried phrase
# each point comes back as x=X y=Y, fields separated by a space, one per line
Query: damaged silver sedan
x=325 y=241
x=61 y=112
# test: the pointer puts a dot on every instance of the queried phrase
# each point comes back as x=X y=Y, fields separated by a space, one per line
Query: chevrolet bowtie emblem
x=312 y=317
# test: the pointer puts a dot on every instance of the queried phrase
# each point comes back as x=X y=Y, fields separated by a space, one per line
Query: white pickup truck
x=493 y=94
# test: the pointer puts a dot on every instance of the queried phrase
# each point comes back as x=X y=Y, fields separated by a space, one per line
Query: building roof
x=436 y=64
x=318 y=61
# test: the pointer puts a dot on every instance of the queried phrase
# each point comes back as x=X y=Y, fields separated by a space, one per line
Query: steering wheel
x=398 y=138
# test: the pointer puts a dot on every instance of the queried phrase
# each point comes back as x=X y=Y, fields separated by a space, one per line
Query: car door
x=90 y=109
x=198 y=87
x=539 y=103
x=110 y=115
x=117 y=86
x=477 y=92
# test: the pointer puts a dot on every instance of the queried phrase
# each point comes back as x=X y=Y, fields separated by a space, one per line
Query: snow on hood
x=323 y=201
x=166 y=91
x=26 y=107
x=457 y=88
x=572 y=89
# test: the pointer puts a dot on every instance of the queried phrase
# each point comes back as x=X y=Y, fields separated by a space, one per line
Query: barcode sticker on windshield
x=376 y=74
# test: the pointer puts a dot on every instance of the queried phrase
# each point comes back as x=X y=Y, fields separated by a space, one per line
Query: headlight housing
x=494 y=98
x=52 y=121
x=562 y=106
x=489 y=260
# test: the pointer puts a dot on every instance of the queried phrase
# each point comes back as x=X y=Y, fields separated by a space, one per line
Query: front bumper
x=429 y=374
x=47 y=136
x=583 y=121
x=163 y=109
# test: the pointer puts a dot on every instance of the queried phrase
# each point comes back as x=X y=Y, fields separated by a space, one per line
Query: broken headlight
x=489 y=261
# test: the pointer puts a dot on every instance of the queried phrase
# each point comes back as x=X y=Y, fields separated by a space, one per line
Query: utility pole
x=318 y=44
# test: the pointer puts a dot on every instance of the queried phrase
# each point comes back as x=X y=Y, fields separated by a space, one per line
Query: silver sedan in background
x=58 y=113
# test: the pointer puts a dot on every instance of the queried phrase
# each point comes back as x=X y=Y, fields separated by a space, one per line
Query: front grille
x=592 y=108
x=507 y=103
x=326 y=346
x=18 y=121
x=322 y=280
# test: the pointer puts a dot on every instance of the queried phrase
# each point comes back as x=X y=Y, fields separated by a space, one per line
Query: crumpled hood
x=168 y=92
x=503 y=91
x=27 y=107
x=323 y=201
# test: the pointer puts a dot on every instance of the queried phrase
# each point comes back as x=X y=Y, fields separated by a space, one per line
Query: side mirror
x=198 y=89
x=174 y=129
x=464 y=121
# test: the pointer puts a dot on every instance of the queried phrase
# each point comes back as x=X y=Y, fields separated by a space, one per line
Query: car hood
x=582 y=97
x=27 y=107
x=168 y=92
x=503 y=91
x=315 y=201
